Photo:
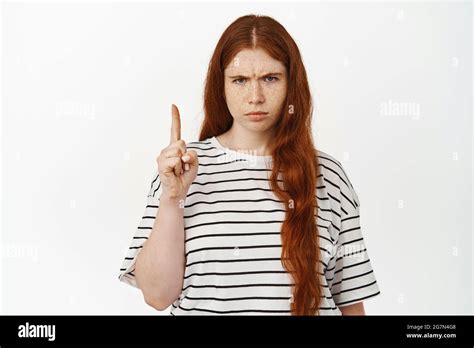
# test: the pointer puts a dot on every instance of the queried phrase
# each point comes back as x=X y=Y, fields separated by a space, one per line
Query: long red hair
x=292 y=149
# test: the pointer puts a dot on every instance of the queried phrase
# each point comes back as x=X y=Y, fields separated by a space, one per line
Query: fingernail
x=186 y=166
x=185 y=158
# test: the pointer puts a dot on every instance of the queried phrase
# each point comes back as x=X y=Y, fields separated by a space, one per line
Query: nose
x=256 y=93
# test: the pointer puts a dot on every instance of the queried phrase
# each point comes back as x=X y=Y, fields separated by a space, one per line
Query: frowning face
x=255 y=82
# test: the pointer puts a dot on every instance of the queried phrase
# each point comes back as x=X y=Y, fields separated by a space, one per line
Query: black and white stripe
x=232 y=223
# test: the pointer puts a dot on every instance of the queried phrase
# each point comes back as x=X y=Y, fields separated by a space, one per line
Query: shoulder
x=334 y=174
x=202 y=147
x=329 y=165
x=327 y=159
x=206 y=143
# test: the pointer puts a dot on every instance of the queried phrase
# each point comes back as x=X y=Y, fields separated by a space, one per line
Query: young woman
x=252 y=218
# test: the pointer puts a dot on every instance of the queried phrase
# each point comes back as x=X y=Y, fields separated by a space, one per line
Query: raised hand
x=177 y=166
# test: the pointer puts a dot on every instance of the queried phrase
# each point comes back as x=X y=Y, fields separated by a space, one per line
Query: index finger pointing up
x=175 y=124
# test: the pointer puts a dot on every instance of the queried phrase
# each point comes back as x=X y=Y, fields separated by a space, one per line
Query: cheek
x=233 y=100
x=234 y=96
x=277 y=94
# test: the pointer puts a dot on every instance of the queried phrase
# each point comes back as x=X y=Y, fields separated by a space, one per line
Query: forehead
x=253 y=61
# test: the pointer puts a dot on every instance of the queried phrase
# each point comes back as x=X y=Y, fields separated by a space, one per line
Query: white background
x=86 y=96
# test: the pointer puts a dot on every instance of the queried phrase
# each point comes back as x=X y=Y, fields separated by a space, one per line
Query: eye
x=235 y=81
x=272 y=77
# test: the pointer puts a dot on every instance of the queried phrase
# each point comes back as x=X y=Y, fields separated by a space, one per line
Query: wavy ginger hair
x=292 y=149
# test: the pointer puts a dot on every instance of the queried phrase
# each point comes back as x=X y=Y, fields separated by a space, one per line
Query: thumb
x=190 y=158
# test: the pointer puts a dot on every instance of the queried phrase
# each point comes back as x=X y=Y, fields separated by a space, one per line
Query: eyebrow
x=242 y=76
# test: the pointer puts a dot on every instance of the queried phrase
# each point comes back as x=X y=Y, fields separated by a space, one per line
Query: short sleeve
x=142 y=232
x=353 y=278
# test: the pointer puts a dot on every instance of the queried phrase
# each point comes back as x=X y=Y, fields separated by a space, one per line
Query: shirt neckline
x=240 y=155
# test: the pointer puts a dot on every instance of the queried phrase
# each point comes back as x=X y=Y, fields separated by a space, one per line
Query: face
x=254 y=81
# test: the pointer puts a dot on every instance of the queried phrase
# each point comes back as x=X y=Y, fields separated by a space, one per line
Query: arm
x=160 y=265
x=353 y=309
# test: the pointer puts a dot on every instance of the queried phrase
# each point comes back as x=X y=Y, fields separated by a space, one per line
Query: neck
x=256 y=142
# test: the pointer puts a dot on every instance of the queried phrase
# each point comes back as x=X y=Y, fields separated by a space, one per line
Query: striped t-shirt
x=232 y=223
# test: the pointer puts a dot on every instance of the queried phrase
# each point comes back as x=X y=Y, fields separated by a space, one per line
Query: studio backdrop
x=86 y=95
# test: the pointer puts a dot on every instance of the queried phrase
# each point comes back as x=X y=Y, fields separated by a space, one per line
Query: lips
x=257 y=116
x=256 y=113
